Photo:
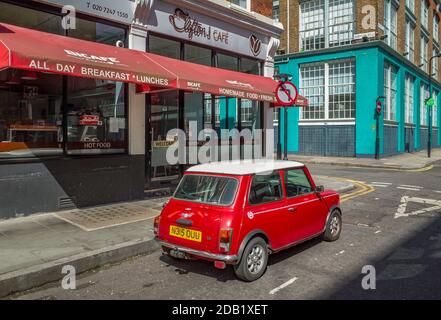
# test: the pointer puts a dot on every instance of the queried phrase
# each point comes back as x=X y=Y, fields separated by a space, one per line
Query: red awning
x=221 y=82
x=28 y=49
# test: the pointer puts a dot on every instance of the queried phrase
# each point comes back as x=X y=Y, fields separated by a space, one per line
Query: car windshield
x=207 y=189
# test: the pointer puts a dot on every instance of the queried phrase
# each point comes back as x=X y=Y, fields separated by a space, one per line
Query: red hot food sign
x=90 y=120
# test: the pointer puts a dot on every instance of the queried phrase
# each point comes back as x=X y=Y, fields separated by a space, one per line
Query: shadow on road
x=206 y=268
x=409 y=270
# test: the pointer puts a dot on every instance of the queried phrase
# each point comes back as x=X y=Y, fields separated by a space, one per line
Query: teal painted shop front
x=375 y=71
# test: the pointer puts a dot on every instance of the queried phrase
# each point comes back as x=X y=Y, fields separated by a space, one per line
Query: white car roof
x=244 y=167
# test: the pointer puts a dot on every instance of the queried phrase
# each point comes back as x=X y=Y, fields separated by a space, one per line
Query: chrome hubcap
x=335 y=225
x=255 y=259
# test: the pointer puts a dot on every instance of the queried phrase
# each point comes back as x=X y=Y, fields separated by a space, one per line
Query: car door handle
x=292 y=209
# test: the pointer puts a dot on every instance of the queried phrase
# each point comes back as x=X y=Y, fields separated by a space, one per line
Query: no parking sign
x=286 y=94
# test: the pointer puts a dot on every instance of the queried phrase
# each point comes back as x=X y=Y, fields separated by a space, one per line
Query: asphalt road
x=396 y=228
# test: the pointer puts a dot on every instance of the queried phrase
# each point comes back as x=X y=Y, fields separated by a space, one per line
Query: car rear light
x=156 y=225
x=225 y=236
x=220 y=265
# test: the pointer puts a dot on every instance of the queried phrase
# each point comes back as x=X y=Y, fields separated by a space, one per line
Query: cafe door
x=161 y=117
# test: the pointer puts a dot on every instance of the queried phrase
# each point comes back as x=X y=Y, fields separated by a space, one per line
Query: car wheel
x=333 y=227
x=254 y=260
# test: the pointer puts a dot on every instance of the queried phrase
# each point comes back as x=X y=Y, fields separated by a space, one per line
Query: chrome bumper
x=208 y=255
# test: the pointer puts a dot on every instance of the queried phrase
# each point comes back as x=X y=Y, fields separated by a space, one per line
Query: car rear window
x=207 y=189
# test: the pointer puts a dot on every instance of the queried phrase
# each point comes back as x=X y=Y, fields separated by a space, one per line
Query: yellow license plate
x=184 y=233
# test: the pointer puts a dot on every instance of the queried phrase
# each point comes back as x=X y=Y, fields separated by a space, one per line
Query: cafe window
x=30 y=114
x=164 y=47
x=228 y=62
x=250 y=66
x=193 y=105
x=197 y=54
x=96 y=117
x=29 y=18
x=31 y=104
x=97 y=32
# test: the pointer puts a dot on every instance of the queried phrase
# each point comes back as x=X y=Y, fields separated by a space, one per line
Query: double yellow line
x=419 y=170
x=430 y=167
x=361 y=190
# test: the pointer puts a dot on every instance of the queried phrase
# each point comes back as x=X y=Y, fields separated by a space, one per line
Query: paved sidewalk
x=404 y=161
x=34 y=249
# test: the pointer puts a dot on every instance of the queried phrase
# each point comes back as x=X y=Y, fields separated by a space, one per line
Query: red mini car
x=239 y=212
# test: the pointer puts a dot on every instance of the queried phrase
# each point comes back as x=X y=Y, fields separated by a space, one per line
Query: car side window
x=296 y=183
x=265 y=188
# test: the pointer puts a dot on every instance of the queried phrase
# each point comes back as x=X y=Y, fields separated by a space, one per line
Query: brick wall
x=294 y=26
x=264 y=7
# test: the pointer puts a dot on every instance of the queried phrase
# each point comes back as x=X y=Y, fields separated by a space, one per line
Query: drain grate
x=66 y=203
x=104 y=217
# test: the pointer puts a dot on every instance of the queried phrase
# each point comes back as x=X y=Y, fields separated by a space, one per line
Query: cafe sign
x=182 y=22
x=192 y=26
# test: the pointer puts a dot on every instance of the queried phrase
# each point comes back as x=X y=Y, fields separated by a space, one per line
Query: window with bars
x=390 y=23
x=424 y=94
x=276 y=10
x=410 y=41
x=246 y=111
x=435 y=52
x=424 y=53
x=313 y=88
x=409 y=98
x=326 y=23
x=217 y=110
x=390 y=91
x=424 y=14
x=330 y=89
x=207 y=108
x=342 y=90
x=242 y=3
x=341 y=22
x=312 y=27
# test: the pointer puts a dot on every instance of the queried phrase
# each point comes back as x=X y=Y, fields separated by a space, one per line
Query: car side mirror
x=319 y=189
